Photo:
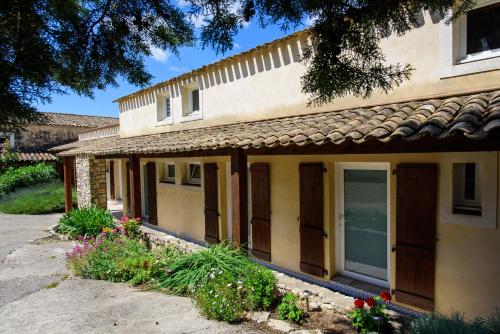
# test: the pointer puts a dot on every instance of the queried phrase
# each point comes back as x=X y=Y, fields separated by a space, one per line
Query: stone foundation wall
x=91 y=181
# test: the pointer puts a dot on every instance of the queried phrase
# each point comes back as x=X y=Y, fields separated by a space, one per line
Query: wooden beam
x=186 y=154
x=68 y=168
x=135 y=187
x=239 y=197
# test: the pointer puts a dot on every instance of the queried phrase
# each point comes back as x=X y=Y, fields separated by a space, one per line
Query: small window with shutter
x=168 y=173
x=467 y=188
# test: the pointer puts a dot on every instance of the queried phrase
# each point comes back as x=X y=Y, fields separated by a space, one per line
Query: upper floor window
x=195 y=101
x=192 y=103
x=478 y=32
x=164 y=108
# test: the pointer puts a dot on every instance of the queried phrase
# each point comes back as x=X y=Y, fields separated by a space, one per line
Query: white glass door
x=363 y=221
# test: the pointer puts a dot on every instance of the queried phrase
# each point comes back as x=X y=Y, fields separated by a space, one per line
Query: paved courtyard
x=39 y=295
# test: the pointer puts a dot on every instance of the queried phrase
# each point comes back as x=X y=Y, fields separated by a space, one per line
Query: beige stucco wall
x=468 y=250
x=468 y=247
x=181 y=207
x=266 y=83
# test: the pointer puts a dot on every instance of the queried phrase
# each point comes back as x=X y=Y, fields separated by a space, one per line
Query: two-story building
x=398 y=191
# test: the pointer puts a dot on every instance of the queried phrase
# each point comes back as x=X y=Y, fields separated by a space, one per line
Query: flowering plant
x=129 y=226
x=370 y=318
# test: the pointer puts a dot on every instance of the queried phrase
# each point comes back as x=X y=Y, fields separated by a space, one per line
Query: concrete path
x=38 y=294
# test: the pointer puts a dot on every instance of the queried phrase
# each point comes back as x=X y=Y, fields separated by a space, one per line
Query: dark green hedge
x=15 y=178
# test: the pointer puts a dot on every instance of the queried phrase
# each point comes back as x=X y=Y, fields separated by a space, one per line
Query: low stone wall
x=91 y=181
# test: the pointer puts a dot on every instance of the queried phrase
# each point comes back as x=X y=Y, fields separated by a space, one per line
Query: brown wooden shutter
x=416 y=234
x=211 y=203
x=152 y=206
x=127 y=190
x=311 y=219
x=261 y=211
x=112 y=179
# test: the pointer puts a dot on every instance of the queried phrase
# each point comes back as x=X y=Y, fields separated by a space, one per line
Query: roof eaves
x=219 y=62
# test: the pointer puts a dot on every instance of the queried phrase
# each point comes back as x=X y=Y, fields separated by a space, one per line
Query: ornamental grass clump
x=86 y=222
x=223 y=281
x=195 y=268
x=455 y=324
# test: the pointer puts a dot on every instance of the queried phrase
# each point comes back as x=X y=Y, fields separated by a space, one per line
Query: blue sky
x=162 y=65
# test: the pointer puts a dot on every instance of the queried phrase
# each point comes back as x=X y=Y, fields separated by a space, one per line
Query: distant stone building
x=33 y=142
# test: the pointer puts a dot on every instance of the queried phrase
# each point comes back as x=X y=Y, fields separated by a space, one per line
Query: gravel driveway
x=38 y=294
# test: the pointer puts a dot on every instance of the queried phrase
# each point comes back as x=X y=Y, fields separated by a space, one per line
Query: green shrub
x=260 y=288
x=195 y=268
x=35 y=200
x=85 y=222
x=15 y=178
x=288 y=310
x=220 y=298
x=120 y=260
x=117 y=258
x=130 y=226
x=455 y=324
x=223 y=281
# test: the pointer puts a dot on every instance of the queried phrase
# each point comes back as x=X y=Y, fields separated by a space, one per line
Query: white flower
x=229 y=285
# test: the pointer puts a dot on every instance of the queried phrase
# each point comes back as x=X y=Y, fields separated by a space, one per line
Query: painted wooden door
x=261 y=211
x=151 y=193
x=112 y=179
x=211 y=203
x=416 y=234
x=311 y=219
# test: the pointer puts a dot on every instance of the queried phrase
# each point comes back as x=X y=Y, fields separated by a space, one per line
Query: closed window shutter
x=211 y=203
x=261 y=211
x=416 y=234
x=312 y=235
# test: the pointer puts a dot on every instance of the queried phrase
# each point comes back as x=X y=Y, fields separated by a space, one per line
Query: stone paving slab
x=39 y=295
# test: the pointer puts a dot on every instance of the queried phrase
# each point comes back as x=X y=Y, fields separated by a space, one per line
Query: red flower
x=359 y=303
x=370 y=302
x=385 y=296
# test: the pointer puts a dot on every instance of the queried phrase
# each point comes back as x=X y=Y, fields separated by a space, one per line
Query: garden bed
x=224 y=283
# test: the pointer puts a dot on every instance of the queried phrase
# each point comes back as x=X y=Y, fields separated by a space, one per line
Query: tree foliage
x=54 y=46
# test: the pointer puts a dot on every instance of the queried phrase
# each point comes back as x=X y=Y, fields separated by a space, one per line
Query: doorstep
x=372 y=288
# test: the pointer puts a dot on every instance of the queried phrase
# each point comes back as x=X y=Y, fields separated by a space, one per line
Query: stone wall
x=38 y=138
x=91 y=181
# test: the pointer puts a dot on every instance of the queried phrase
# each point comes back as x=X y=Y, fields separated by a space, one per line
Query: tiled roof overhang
x=474 y=116
x=36 y=156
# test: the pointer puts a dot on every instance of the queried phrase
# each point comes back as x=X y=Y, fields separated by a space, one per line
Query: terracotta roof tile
x=36 y=156
x=473 y=115
x=85 y=121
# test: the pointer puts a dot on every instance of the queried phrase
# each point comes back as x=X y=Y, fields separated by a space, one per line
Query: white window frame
x=11 y=138
x=161 y=109
x=166 y=178
x=453 y=43
x=460 y=204
x=189 y=180
x=339 y=220
x=187 y=103
x=461 y=38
